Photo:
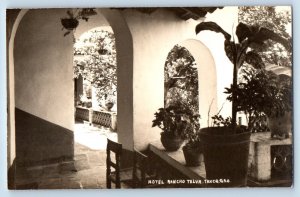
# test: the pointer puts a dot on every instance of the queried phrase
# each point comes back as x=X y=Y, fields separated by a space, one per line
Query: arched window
x=181 y=79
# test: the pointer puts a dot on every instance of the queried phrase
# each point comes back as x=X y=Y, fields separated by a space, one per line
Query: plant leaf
x=258 y=35
x=68 y=32
x=243 y=31
x=229 y=48
x=212 y=27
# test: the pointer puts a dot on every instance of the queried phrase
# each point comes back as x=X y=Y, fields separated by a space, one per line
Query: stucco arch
x=207 y=78
x=11 y=152
x=42 y=108
x=124 y=49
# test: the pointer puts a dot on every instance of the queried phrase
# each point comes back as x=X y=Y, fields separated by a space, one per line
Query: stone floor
x=88 y=170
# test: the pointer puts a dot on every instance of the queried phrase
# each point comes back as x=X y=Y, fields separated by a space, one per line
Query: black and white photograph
x=149 y=97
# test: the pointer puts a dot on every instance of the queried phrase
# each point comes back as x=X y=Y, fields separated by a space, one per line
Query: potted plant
x=264 y=92
x=176 y=121
x=226 y=147
x=74 y=15
x=109 y=101
x=192 y=150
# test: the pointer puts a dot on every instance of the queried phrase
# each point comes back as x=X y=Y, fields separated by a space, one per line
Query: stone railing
x=103 y=118
x=82 y=113
x=106 y=119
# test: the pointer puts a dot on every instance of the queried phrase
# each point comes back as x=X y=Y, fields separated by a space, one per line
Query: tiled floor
x=88 y=170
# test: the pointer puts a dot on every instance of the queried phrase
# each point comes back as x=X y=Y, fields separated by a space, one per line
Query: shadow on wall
x=41 y=142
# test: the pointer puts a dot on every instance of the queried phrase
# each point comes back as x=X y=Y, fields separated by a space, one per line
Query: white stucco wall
x=43 y=68
x=154 y=36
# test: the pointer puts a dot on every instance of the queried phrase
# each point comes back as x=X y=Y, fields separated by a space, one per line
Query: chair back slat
x=114 y=146
x=113 y=165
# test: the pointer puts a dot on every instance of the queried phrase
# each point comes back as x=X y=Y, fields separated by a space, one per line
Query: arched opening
x=41 y=87
x=181 y=79
x=200 y=69
x=95 y=92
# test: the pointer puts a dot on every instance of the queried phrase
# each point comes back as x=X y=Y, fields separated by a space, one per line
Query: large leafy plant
x=251 y=39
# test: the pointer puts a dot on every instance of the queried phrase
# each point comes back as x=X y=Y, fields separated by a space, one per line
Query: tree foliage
x=98 y=63
x=181 y=79
x=276 y=20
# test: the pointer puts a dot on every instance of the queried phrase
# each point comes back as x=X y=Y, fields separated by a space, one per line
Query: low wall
x=41 y=142
x=103 y=118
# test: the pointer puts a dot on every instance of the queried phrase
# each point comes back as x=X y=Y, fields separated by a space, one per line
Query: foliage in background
x=181 y=79
x=276 y=20
x=98 y=63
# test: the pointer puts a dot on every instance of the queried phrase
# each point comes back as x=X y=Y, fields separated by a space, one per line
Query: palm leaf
x=258 y=35
x=212 y=27
x=243 y=31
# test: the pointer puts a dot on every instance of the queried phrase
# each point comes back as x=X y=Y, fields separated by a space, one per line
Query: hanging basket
x=69 y=23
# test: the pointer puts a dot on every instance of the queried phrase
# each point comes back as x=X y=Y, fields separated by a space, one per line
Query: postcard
x=153 y=97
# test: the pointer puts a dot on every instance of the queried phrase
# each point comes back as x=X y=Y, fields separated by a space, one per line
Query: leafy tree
x=181 y=79
x=270 y=18
x=98 y=64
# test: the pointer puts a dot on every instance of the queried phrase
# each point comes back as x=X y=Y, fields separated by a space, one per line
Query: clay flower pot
x=193 y=157
x=170 y=143
x=109 y=105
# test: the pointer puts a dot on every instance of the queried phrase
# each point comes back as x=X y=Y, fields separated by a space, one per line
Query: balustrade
x=102 y=118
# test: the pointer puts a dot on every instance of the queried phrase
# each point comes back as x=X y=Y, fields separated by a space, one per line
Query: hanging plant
x=74 y=15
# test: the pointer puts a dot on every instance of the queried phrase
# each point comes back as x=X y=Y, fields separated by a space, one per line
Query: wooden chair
x=140 y=173
x=117 y=176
